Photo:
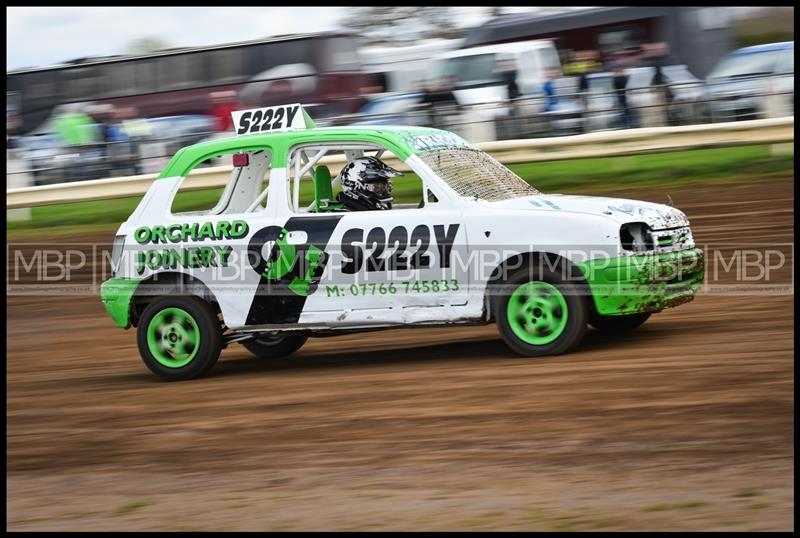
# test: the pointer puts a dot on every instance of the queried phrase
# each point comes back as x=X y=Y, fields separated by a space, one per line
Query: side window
x=245 y=190
x=226 y=66
x=181 y=71
x=316 y=171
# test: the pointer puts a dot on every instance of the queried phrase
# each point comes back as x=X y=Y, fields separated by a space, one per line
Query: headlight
x=636 y=236
x=116 y=253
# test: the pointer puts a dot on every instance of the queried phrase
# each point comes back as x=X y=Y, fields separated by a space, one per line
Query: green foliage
x=145 y=45
x=377 y=25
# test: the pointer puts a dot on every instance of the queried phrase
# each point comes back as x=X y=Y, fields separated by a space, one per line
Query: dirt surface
x=685 y=424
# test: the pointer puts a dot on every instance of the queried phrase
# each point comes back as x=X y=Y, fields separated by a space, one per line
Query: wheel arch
x=169 y=283
x=531 y=259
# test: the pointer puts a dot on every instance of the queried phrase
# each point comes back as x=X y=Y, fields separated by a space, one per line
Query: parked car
x=686 y=89
x=596 y=108
x=52 y=161
x=753 y=82
x=179 y=131
x=39 y=153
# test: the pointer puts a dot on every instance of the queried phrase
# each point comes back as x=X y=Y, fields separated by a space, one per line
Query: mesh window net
x=475 y=174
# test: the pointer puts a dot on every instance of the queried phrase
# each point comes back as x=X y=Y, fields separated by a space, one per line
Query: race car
x=417 y=228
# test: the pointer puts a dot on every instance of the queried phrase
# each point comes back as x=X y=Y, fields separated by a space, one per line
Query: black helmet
x=366 y=185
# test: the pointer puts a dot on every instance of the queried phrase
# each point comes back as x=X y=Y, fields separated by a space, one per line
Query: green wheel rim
x=537 y=313
x=173 y=337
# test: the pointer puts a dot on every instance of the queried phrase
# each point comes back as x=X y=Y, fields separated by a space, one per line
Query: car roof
x=187 y=158
x=769 y=47
x=345 y=130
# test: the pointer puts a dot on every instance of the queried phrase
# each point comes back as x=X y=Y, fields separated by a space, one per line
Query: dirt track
x=685 y=424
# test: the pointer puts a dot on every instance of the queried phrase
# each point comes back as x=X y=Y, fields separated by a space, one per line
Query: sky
x=46 y=36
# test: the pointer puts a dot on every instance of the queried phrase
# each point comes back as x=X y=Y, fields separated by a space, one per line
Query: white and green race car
x=279 y=259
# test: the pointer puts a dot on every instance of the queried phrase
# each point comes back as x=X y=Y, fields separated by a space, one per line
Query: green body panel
x=279 y=144
x=116 y=294
x=644 y=283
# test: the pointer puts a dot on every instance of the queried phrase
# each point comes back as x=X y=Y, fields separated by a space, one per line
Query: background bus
x=320 y=69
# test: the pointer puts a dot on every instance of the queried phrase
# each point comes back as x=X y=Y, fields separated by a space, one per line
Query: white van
x=479 y=79
x=405 y=68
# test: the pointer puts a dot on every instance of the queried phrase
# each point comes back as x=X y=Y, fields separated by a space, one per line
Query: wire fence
x=566 y=112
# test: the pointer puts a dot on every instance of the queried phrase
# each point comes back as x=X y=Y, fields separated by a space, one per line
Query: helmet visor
x=380 y=188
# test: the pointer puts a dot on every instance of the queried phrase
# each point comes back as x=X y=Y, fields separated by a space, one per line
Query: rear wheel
x=613 y=324
x=275 y=346
x=179 y=338
x=538 y=316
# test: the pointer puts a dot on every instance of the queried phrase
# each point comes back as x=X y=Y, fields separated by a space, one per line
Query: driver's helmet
x=366 y=185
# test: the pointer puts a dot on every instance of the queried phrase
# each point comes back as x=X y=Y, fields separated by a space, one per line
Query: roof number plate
x=268 y=119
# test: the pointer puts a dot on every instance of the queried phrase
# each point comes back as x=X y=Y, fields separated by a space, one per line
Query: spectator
x=75 y=128
x=620 y=81
x=222 y=104
x=656 y=55
x=440 y=100
x=507 y=71
x=585 y=63
x=551 y=101
x=108 y=128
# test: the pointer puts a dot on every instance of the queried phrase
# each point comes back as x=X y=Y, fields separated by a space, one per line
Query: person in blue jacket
x=550 y=93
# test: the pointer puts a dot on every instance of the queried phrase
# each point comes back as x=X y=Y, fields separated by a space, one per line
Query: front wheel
x=539 y=315
x=179 y=338
x=273 y=347
x=613 y=324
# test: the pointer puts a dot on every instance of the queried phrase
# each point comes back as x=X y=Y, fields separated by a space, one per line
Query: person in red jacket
x=223 y=103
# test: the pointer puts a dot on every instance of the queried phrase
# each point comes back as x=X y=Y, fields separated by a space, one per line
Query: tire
x=180 y=338
x=274 y=347
x=536 y=317
x=616 y=324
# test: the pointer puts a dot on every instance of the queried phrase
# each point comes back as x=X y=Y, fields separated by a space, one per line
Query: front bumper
x=116 y=295
x=644 y=283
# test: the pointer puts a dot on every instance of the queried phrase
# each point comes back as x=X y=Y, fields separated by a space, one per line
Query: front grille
x=672 y=239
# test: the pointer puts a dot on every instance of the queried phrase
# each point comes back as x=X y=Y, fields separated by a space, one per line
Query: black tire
x=576 y=314
x=208 y=329
x=274 y=347
x=616 y=324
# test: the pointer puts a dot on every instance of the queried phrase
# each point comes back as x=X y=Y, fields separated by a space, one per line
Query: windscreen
x=471 y=70
x=747 y=64
x=474 y=174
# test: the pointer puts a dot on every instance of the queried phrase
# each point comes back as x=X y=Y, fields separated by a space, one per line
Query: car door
x=399 y=258
x=392 y=262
